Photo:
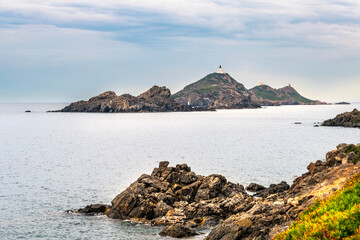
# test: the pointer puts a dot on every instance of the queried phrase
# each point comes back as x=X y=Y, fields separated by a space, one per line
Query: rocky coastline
x=156 y=99
x=185 y=202
x=347 y=119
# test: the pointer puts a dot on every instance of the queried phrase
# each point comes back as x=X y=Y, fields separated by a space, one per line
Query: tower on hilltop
x=220 y=70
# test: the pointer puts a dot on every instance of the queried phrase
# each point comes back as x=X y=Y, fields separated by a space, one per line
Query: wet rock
x=254 y=187
x=94 y=209
x=178 y=231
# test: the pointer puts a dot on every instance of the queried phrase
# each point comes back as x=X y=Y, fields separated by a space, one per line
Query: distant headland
x=217 y=90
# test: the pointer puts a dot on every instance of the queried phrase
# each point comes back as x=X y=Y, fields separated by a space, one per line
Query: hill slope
x=267 y=96
x=216 y=90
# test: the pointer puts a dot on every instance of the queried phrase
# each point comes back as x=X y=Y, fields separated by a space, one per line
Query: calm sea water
x=51 y=162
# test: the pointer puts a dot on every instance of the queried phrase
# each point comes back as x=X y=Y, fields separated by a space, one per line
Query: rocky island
x=219 y=90
x=265 y=95
x=215 y=91
x=347 y=119
x=156 y=99
x=185 y=202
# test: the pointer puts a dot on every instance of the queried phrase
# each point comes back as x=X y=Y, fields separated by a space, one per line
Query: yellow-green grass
x=337 y=217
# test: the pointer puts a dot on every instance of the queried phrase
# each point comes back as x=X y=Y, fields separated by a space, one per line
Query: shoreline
x=186 y=202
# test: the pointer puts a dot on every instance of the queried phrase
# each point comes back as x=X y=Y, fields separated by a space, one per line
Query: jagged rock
x=176 y=194
x=347 y=119
x=94 y=209
x=272 y=189
x=156 y=99
x=254 y=187
x=178 y=231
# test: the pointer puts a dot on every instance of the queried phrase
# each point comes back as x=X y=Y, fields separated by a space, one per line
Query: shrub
x=337 y=217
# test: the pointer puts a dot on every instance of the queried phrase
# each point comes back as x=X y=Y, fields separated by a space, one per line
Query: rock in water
x=156 y=99
x=177 y=195
x=347 y=119
x=254 y=187
x=94 y=209
x=178 y=231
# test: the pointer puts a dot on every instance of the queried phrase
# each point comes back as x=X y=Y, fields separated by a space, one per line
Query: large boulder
x=254 y=187
x=94 y=209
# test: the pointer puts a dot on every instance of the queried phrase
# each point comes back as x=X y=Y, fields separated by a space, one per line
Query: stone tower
x=220 y=70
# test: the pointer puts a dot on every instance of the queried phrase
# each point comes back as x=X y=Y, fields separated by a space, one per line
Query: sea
x=51 y=162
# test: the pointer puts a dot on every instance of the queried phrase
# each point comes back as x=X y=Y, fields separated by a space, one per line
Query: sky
x=67 y=50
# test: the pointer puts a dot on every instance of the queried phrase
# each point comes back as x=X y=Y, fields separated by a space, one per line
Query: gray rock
x=254 y=187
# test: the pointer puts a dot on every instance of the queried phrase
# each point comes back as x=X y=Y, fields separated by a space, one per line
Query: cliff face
x=216 y=90
x=156 y=99
x=267 y=96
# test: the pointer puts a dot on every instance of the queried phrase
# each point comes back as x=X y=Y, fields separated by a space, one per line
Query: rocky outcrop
x=156 y=99
x=216 y=90
x=184 y=201
x=272 y=214
x=177 y=195
x=265 y=95
x=347 y=119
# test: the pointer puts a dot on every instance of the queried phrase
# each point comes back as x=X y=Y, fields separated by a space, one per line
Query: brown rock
x=178 y=231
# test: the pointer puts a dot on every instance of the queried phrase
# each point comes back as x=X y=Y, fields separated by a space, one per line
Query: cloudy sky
x=65 y=50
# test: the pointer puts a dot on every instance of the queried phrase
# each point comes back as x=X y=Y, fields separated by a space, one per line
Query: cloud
x=304 y=40
x=259 y=19
x=29 y=45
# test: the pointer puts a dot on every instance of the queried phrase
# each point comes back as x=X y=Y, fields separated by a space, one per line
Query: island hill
x=215 y=91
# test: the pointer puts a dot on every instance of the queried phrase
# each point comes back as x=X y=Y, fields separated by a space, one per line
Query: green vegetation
x=300 y=98
x=268 y=94
x=337 y=217
x=283 y=94
x=210 y=81
x=211 y=89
